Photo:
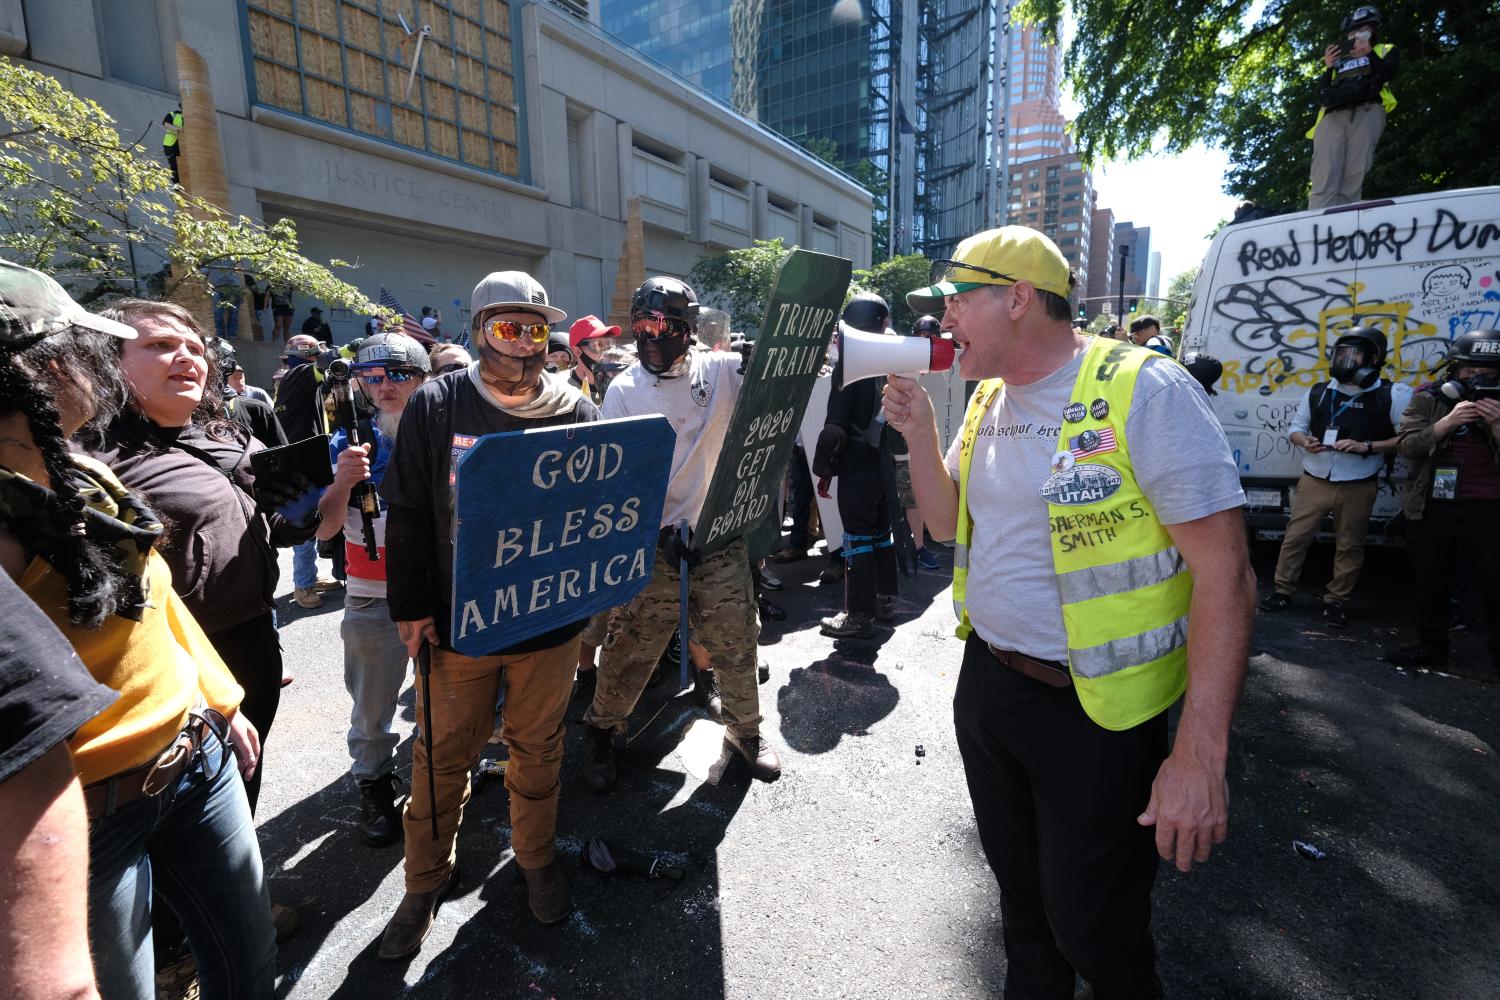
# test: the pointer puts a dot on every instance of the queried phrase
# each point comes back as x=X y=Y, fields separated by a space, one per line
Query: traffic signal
x=1133 y=304
x=1083 y=310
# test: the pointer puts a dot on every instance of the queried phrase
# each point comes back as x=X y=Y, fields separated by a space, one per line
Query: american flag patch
x=1091 y=443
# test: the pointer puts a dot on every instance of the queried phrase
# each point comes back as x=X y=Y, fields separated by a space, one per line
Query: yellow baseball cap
x=1001 y=256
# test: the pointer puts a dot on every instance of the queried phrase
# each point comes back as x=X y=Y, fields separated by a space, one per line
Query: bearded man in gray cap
x=507 y=389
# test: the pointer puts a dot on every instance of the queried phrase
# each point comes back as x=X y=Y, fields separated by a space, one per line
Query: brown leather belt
x=149 y=779
x=1049 y=672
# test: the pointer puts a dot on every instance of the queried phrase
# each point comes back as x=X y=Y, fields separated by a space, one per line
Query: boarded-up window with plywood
x=349 y=62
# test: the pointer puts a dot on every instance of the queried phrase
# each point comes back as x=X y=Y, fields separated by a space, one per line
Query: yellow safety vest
x=1387 y=99
x=1123 y=586
x=169 y=138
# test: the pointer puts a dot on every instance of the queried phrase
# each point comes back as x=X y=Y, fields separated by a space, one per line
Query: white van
x=1274 y=294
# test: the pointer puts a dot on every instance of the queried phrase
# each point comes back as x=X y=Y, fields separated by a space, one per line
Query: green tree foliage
x=1164 y=74
x=739 y=282
x=75 y=200
x=891 y=279
x=1174 y=312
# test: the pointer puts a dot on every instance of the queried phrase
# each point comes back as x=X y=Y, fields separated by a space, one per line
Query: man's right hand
x=1310 y=444
x=1464 y=413
x=353 y=466
x=413 y=634
x=906 y=404
x=1331 y=55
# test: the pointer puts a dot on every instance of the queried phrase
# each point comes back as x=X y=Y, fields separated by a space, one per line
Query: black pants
x=863 y=509
x=252 y=651
x=799 y=499
x=1455 y=544
x=1056 y=798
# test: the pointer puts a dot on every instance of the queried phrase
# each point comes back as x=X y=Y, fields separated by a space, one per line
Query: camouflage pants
x=724 y=620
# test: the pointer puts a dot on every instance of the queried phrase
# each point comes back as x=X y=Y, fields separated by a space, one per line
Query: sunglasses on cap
x=510 y=330
x=653 y=327
x=943 y=270
x=398 y=376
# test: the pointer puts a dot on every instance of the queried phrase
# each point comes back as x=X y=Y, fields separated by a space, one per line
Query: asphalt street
x=858 y=874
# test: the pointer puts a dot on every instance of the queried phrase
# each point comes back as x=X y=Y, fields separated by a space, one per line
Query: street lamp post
x=1124 y=256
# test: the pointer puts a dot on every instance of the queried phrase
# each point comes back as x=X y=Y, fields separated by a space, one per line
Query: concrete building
x=1038 y=128
x=1100 y=294
x=518 y=143
x=1056 y=196
x=1153 y=275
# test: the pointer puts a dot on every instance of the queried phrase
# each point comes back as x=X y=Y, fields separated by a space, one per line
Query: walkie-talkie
x=363 y=495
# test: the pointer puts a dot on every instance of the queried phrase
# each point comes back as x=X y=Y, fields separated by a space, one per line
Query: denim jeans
x=375 y=667
x=305 y=564
x=226 y=318
x=195 y=845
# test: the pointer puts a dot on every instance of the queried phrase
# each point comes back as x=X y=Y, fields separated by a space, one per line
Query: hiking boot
x=1418 y=656
x=769 y=581
x=306 y=597
x=285 y=920
x=788 y=555
x=762 y=671
x=412 y=920
x=380 y=817
x=1333 y=615
x=927 y=559
x=599 y=770
x=885 y=607
x=848 y=625
x=706 y=693
x=1274 y=602
x=771 y=612
x=547 y=894
x=327 y=584
x=832 y=573
x=764 y=763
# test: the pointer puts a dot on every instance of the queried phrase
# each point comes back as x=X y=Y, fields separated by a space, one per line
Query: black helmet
x=1357 y=356
x=927 y=326
x=868 y=312
x=1477 y=347
x=663 y=318
x=1361 y=16
x=665 y=298
x=1206 y=369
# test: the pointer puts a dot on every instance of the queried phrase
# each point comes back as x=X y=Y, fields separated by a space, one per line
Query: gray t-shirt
x=1177 y=451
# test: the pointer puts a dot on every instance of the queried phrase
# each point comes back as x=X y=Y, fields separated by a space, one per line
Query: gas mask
x=1351 y=364
x=508 y=375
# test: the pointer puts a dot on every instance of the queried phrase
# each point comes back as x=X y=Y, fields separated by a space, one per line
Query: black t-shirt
x=419 y=575
x=256 y=417
x=299 y=404
x=46 y=693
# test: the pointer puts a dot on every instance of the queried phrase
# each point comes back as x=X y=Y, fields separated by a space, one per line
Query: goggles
x=943 y=270
x=511 y=331
x=398 y=376
x=653 y=327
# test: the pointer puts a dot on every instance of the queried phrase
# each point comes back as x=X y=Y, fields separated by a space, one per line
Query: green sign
x=794 y=336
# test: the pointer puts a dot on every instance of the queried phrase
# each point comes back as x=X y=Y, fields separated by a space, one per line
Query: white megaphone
x=868 y=355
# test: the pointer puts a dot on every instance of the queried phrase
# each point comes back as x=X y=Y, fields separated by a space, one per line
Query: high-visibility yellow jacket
x=1387 y=99
x=170 y=130
x=1123 y=586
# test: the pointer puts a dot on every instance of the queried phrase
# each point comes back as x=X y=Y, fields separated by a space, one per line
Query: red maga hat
x=589 y=327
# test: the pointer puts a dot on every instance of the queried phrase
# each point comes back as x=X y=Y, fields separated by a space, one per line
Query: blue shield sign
x=554 y=525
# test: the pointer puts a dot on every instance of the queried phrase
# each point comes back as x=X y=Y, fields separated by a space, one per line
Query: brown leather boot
x=764 y=762
x=412 y=920
x=547 y=894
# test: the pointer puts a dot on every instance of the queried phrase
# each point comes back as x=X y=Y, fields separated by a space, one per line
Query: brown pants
x=1343 y=152
x=537 y=688
x=1350 y=503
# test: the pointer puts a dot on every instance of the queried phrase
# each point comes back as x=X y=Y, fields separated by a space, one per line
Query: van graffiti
x=1327 y=244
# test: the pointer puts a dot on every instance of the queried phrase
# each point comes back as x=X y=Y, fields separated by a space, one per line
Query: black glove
x=669 y=543
x=294 y=498
x=747 y=351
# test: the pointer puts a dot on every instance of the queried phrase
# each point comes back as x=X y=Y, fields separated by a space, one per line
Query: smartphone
x=1487 y=392
x=1346 y=46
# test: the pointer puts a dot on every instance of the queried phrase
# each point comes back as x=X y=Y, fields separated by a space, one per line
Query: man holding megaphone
x=1100 y=568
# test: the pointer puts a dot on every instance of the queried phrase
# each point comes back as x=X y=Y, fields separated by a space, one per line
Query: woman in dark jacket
x=173 y=444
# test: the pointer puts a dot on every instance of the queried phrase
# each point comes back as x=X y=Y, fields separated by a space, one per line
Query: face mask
x=508 y=375
x=660 y=355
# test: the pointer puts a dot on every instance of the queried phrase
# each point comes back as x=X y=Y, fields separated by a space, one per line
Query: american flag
x=409 y=326
x=1106 y=443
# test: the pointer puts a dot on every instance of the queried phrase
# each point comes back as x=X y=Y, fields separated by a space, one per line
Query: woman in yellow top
x=166 y=810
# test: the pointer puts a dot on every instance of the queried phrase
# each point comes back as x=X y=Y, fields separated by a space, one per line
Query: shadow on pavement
x=834 y=697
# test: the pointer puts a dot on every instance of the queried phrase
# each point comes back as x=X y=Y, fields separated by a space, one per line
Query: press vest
x=1123 y=586
x=1387 y=99
x=1365 y=417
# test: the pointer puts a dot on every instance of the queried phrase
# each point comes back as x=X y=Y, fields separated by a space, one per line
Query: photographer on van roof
x=1344 y=427
x=1353 y=99
x=1451 y=435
